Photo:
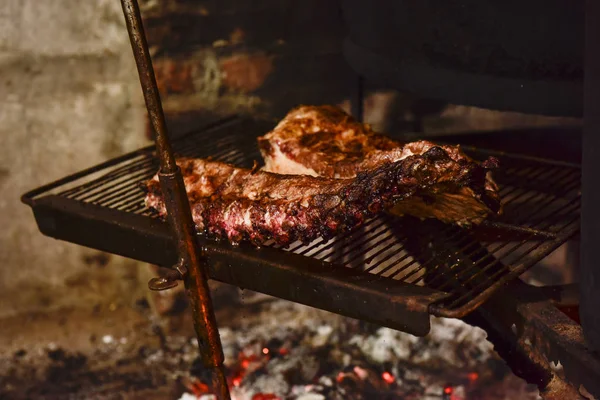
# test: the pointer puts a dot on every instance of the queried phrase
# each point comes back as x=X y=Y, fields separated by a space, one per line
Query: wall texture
x=69 y=98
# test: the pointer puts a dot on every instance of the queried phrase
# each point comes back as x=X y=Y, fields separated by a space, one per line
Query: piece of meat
x=241 y=204
x=325 y=141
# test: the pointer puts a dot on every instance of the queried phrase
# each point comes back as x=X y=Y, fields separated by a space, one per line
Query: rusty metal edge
x=530 y=333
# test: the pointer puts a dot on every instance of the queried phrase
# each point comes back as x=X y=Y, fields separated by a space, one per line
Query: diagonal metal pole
x=178 y=209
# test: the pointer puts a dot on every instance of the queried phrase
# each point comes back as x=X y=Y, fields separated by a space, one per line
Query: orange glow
x=340 y=377
x=473 y=376
x=245 y=363
x=265 y=396
x=389 y=378
x=265 y=351
x=200 y=388
x=237 y=381
x=448 y=390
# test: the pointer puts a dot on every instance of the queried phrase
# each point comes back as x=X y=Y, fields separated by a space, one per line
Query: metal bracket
x=542 y=336
x=169 y=280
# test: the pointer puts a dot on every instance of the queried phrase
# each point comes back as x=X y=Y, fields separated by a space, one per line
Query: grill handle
x=178 y=208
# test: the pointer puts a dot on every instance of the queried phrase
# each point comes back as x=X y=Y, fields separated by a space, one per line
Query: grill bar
x=495 y=275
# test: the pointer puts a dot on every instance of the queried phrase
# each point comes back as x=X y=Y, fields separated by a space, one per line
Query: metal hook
x=169 y=280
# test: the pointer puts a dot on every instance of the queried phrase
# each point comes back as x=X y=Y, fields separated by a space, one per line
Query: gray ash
x=274 y=350
x=289 y=351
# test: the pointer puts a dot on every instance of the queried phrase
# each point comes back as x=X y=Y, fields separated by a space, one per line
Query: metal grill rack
x=392 y=271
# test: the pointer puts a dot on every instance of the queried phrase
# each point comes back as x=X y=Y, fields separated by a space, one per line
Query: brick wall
x=260 y=58
x=267 y=56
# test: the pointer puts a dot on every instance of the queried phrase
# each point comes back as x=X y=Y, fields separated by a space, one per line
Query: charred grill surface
x=398 y=269
x=325 y=141
x=242 y=204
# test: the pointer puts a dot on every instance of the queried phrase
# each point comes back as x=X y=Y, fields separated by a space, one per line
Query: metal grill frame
x=69 y=209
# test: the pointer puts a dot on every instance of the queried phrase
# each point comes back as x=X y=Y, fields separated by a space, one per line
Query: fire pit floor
x=274 y=349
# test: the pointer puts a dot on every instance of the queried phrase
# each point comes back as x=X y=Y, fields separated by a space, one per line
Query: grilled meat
x=325 y=141
x=241 y=204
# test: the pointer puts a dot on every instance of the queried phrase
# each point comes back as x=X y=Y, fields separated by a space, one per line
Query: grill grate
x=541 y=200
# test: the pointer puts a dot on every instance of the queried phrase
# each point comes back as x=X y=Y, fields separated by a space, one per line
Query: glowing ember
x=448 y=390
x=283 y=351
x=237 y=381
x=389 y=378
x=200 y=388
x=265 y=351
x=473 y=376
x=265 y=396
x=196 y=387
x=360 y=372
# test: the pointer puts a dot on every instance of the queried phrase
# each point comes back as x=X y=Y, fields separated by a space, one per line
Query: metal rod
x=147 y=79
x=178 y=209
x=590 y=190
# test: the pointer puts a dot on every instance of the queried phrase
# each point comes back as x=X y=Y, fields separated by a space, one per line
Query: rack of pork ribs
x=324 y=211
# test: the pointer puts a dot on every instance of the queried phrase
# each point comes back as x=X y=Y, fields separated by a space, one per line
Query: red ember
x=196 y=387
x=360 y=372
x=265 y=396
x=389 y=378
x=283 y=351
x=237 y=381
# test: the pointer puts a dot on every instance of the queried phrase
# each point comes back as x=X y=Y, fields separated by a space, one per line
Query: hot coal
x=290 y=351
x=274 y=350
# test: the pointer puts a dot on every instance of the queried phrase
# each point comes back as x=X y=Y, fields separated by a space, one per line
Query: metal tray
x=392 y=271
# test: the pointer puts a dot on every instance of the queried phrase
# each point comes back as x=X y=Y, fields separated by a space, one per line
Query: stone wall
x=69 y=99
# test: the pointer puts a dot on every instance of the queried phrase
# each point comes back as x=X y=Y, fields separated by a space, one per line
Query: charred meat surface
x=325 y=141
x=242 y=204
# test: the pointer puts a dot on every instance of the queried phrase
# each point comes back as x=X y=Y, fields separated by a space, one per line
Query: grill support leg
x=590 y=213
x=178 y=209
